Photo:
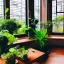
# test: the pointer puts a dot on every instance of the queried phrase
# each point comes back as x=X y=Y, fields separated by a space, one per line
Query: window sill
x=23 y=40
x=56 y=36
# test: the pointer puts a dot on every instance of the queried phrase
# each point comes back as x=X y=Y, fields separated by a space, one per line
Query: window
x=18 y=9
x=37 y=9
x=34 y=9
x=1 y=9
x=58 y=10
x=55 y=8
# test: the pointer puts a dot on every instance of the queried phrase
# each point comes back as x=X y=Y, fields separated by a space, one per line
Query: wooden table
x=32 y=55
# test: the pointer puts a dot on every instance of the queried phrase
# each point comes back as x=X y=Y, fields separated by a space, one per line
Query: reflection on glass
x=17 y=9
x=60 y=14
x=53 y=16
x=60 y=6
x=1 y=9
x=37 y=11
x=58 y=27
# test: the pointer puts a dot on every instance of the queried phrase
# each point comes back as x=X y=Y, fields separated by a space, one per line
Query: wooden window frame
x=49 y=17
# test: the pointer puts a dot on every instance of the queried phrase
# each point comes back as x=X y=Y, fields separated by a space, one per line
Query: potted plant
x=3 y=43
x=41 y=37
x=14 y=54
x=32 y=25
x=21 y=31
x=5 y=39
x=7 y=24
x=9 y=36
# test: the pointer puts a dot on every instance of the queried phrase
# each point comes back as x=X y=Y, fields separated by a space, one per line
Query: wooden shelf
x=56 y=37
x=34 y=54
x=23 y=40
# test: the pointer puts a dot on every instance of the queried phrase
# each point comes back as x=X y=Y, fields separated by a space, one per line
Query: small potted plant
x=14 y=54
x=9 y=24
x=21 y=31
x=32 y=25
x=5 y=37
x=41 y=37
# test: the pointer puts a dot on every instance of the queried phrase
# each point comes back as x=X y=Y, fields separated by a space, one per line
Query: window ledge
x=56 y=37
x=23 y=40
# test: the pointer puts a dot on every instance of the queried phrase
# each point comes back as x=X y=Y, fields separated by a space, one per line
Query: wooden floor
x=56 y=56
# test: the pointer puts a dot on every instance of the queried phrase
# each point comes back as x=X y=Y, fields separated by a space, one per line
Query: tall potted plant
x=41 y=37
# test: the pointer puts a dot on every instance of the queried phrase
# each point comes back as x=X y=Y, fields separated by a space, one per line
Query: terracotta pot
x=2 y=61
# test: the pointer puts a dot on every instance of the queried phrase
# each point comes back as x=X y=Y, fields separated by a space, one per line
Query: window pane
x=17 y=9
x=58 y=27
x=54 y=6
x=1 y=9
x=60 y=5
x=37 y=11
x=53 y=9
x=53 y=16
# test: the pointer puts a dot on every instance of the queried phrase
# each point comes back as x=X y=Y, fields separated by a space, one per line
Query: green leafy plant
x=21 y=52
x=21 y=30
x=3 y=43
x=32 y=25
x=9 y=36
x=41 y=37
x=9 y=25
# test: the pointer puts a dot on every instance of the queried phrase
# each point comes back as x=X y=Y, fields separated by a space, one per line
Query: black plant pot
x=10 y=60
x=3 y=43
x=20 y=35
x=31 y=33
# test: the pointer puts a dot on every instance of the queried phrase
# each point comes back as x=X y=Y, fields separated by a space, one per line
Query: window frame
x=49 y=17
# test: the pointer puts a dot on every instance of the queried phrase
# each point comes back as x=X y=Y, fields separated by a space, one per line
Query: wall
x=44 y=10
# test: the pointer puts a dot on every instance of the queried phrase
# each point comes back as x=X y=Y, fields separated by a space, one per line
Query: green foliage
x=59 y=18
x=21 y=52
x=57 y=24
x=9 y=36
x=13 y=26
x=7 y=9
x=46 y=24
x=3 y=43
x=41 y=36
x=9 y=25
x=3 y=40
x=21 y=30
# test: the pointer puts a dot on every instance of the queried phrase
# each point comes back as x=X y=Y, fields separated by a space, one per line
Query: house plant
x=5 y=39
x=32 y=25
x=21 y=31
x=13 y=53
x=3 y=46
x=41 y=36
x=7 y=24
x=3 y=43
x=9 y=36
